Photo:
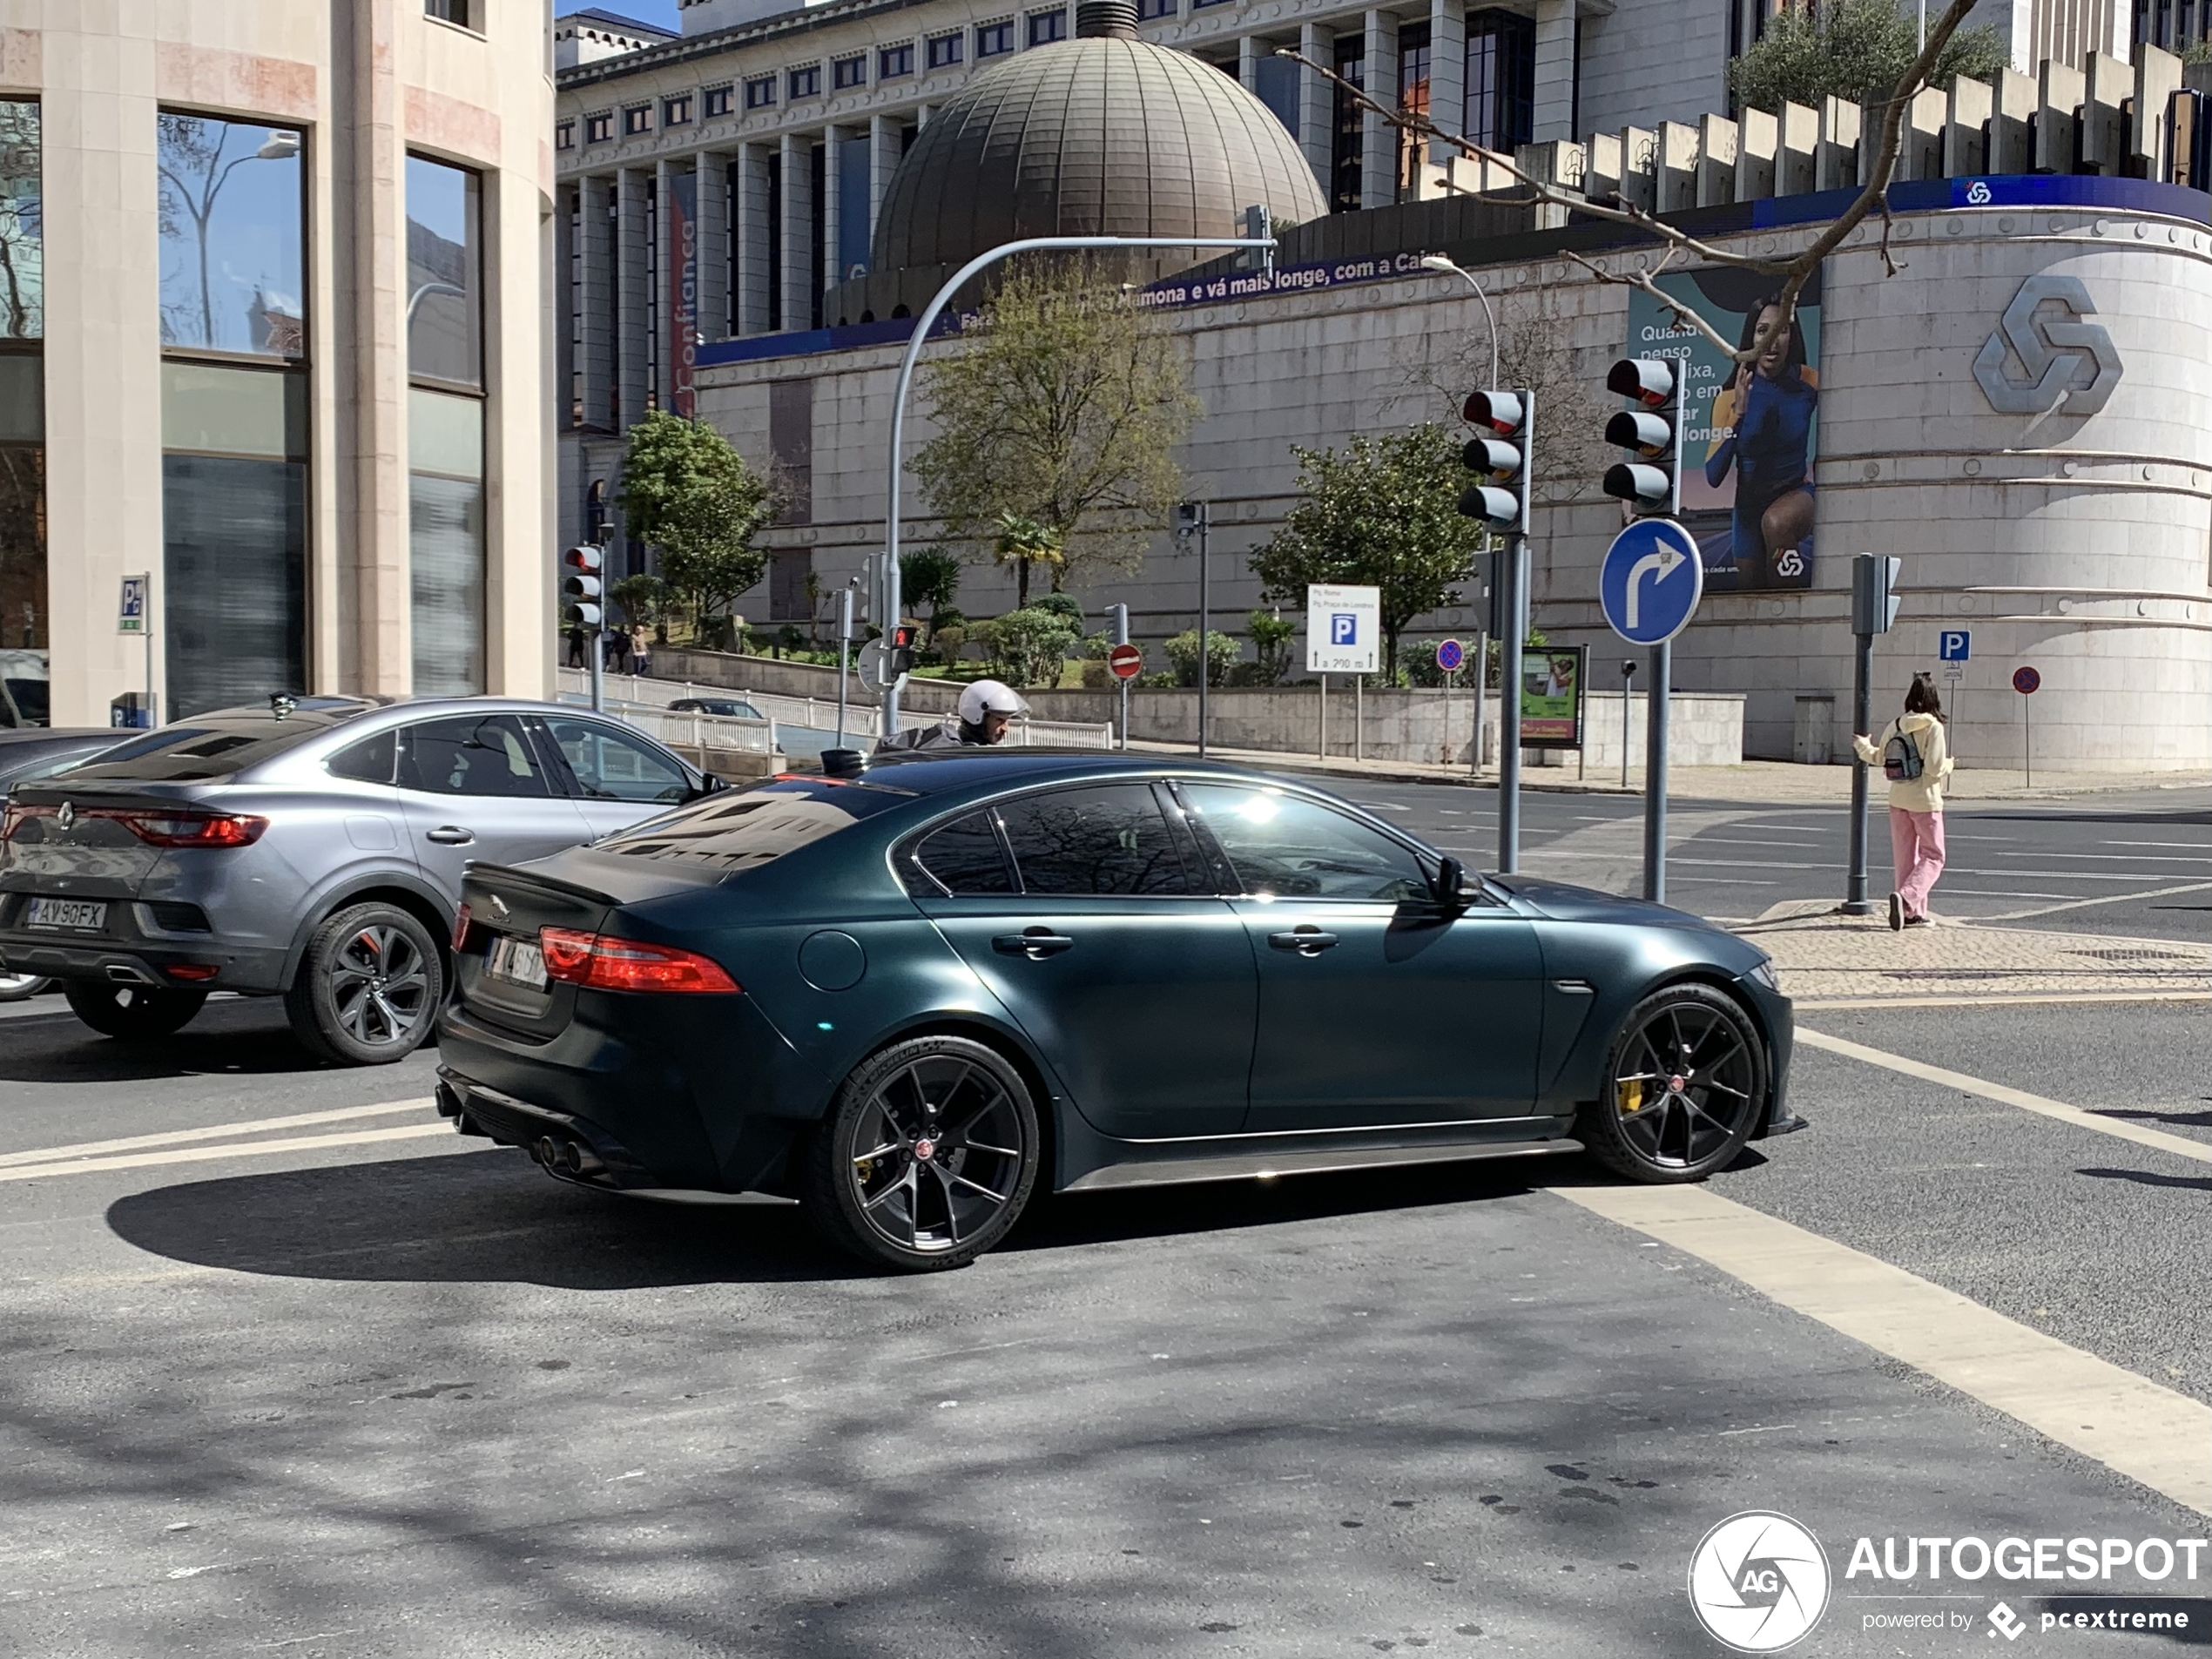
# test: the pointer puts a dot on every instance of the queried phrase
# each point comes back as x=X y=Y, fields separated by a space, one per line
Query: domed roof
x=1102 y=136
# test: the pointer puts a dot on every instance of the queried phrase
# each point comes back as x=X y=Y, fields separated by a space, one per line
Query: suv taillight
x=602 y=963
x=193 y=829
x=461 y=930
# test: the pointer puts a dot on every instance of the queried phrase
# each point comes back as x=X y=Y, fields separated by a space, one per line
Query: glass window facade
x=600 y=128
x=233 y=508
x=893 y=62
x=1501 y=79
x=944 y=52
x=446 y=540
x=1348 y=141
x=994 y=38
x=676 y=111
x=1412 y=99
x=759 y=94
x=445 y=427
x=807 y=81
x=24 y=638
x=232 y=267
x=1045 y=27
x=849 y=71
x=445 y=263
x=564 y=135
x=1146 y=9
x=637 y=120
x=719 y=99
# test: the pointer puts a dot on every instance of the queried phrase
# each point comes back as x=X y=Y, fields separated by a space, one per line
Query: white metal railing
x=638 y=697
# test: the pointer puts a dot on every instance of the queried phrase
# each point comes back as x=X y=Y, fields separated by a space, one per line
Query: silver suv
x=312 y=850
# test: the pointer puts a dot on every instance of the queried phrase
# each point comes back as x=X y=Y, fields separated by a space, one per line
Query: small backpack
x=1900 y=759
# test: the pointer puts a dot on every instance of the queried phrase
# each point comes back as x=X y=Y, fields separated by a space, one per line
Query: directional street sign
x=1126 y=661
x=1343 y=629
x=1954 y=646
x=1451 y=656
x=1651 y=582
x=2025 y=680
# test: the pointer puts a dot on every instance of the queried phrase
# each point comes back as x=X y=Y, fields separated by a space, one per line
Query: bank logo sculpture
x=2050 y=350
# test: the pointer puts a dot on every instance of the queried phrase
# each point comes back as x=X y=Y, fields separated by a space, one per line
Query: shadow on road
x=245 y=1036
x=2149 y=1178
x=490 y=1216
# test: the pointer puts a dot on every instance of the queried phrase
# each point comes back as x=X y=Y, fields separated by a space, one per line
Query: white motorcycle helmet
x=990 y=697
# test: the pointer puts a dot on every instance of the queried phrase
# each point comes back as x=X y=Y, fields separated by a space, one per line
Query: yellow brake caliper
x=1630 y=1090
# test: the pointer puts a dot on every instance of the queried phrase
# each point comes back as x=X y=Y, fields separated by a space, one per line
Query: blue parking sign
x=1954 y=646
x=1344 y=627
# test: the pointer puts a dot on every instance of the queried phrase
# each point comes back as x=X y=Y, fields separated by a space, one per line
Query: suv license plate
x=518 y=960
x=82 y=914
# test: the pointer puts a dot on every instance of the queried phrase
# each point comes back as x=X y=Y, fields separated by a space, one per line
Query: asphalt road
x=2132 y=863
x=408 y=1397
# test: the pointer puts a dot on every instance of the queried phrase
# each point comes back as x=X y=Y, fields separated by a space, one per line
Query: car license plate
x=518 y=959
x=82 y=914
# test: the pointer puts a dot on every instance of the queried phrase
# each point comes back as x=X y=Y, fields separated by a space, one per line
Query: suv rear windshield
x=203 y=749
x=744 y=831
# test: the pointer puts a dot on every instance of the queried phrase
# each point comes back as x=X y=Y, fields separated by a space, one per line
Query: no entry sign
x=1126 y=661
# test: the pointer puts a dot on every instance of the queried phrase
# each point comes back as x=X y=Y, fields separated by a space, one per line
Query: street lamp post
x=922 y=325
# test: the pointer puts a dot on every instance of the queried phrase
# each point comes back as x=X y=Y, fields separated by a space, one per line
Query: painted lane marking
x=2110 y=898
x=1989 y=999
x=244 y=1149
x=2006 y=1095
x=211 y=1132
x=2152 y=1435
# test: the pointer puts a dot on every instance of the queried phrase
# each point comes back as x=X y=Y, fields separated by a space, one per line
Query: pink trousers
x=1916 y=850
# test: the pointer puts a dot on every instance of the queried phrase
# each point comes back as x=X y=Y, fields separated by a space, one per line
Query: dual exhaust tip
x=567 y=1158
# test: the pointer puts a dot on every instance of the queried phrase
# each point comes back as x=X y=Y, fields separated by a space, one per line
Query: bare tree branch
x=1795 y=272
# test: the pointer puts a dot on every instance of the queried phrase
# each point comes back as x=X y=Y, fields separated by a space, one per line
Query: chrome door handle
x=1036 y=943
x=1307 y=941
x=450 y=835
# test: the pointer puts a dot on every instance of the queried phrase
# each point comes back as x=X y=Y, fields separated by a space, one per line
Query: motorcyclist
x=986 y=708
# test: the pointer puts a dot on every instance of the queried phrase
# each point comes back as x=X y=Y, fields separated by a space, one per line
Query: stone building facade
x=278 y=341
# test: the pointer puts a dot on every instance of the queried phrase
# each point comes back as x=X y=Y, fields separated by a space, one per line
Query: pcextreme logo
x=1758 y=1581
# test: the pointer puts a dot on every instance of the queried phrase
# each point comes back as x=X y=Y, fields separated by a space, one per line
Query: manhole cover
x=2140 y=955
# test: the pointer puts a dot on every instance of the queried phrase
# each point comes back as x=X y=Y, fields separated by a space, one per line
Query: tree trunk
x=1021 y=585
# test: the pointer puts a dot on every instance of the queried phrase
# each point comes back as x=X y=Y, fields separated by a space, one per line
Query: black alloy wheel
x=1684 y=1088
x=927 y=1157
x=368 y=987
x=132 y=1013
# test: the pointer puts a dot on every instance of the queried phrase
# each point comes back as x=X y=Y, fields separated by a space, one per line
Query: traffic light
x=1652 y=429
x=1505 y=423
x=1873 y=592
x=583 y=586
x=898 y=649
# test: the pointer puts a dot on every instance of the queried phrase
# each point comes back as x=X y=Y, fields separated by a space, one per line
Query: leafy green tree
x=930 y=578
x=1222 y=652
x=1383 y=512
x=646 y=600
x=1854 y=49
x=687 y=491
x=1028 y=646
x=1057 y=415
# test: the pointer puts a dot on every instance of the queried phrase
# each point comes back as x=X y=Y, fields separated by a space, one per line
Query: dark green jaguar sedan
x=909 y=997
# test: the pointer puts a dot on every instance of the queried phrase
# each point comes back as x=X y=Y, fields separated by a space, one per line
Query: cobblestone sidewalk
x=1831 y=960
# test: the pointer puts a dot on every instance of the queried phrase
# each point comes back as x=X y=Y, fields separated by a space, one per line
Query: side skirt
x=1260 y=1166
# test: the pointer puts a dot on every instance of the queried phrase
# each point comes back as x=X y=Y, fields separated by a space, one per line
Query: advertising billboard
x=1748 y=452
x=1551 y=696
x=680 y=296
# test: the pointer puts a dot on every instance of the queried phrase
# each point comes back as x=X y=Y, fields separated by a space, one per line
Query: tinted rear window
x=742 y=830
x=204 y=749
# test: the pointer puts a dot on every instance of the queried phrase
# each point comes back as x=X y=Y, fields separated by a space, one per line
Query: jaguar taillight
x=601 y=962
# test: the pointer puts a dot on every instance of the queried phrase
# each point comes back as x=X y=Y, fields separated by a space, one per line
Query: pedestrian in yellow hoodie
x=1915 y=756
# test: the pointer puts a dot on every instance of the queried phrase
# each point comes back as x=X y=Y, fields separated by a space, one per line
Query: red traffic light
x=1502 y=412
x=588 y=559
x=1650 y=381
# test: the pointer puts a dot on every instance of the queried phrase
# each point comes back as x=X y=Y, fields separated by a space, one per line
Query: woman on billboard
x=1770 y=403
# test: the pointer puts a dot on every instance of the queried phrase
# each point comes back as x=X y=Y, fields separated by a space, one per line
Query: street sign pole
x=1205 y=624
x=844 y=655
x=1856 y=902
x=1480 y=679
x=2025 y=681
x=1627 y=718
x=1656 y=701
x=1121 y=638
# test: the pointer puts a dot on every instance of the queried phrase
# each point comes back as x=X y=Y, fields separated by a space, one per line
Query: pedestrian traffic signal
x=1873 y=592
x=1500 y=455
x=1653 y=430
x=898 y=649
x=583 y=586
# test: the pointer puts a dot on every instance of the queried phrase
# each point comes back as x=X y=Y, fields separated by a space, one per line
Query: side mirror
x=1451 y=877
